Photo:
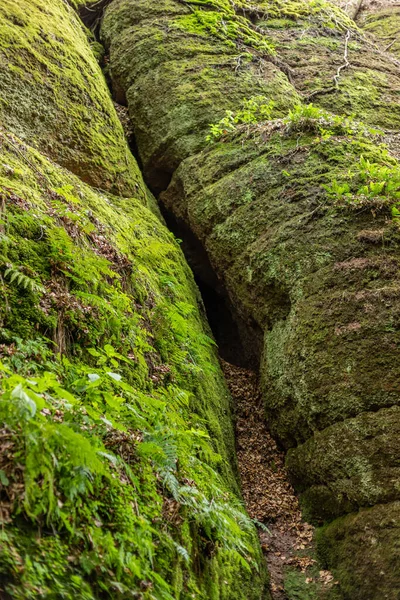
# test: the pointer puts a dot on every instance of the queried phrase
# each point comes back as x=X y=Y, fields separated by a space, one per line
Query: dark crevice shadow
x=239 y=342
x=91 y=16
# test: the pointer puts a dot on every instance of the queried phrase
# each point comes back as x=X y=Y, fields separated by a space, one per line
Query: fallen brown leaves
x=266 y=489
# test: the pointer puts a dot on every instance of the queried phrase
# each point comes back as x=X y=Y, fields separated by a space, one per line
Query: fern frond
x=14 y=274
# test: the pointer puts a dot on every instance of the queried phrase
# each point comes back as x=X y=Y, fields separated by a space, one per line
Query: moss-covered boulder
x=373 y=573
x=172 y=52
x=294 y=206
x=349 y=465
x=53 y=95
x=179 y=50
x=117 y=467
x=117 y=448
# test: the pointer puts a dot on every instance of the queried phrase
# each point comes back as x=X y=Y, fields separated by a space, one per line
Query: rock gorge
x=268 y=132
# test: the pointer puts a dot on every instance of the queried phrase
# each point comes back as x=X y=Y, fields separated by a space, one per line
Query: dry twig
x=346 y=63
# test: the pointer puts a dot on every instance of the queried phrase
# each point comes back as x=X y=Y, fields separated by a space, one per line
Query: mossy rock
x=171 y=49
x=352 y=464
x=365 y=550
x=384 y=25
x=54 y=97
x=103 y=338
x=102 y=271
x=318 y=278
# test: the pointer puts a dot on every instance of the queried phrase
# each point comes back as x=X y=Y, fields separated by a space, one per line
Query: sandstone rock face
x=55 y=99
x=301 y=240
x=117 y=465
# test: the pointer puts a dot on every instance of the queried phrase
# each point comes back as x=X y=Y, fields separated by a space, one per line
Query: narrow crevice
x=239 y=342
x=157 y=180
x=91 y=16
x=286 y=540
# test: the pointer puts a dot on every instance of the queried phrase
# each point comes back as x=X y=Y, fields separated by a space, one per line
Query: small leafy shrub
x=253 y=111
x=255 y=118
x=369 y=185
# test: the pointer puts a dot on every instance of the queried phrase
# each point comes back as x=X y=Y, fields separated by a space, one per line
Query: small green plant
x=252 y=111
x=16 y=276
x=255 y=116
x=371 y=185
x=96 y=458
x=307 y=117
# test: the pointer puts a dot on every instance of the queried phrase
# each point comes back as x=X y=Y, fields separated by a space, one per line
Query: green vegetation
x=117 y=458
x=366 y=185
x=372 y=185
x=93 y=462
x=254 y=110
x=227 y=26
x=116 y=431
x=383 y=24
x=328 y=14
x=54 y=97
x=302 y=118
x=296 y=225
x=117 y=468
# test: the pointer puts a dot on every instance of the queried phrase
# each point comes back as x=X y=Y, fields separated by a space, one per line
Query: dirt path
x=268 y=495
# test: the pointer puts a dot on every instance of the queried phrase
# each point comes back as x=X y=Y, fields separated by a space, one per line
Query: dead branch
x=357 y=9
x=396 y=39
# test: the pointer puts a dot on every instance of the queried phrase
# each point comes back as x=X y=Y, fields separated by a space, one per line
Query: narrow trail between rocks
x=267 y=492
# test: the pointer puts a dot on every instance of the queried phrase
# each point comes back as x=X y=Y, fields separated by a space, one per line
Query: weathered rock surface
x=315 y=270
x=382 y=20
x=117 y=466
x=54 y=97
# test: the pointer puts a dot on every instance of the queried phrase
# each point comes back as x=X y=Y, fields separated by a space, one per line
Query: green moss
x=113 y=278
x=349 y=465
x=364 y=547
x=310 y=274
x=315 y=52
x=230 y=30
x=53 y=96
x=384 y=24
x=320 y=10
